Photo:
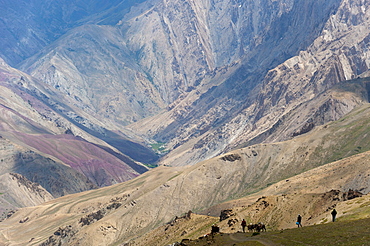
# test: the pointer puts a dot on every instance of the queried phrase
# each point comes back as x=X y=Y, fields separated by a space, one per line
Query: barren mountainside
x=244 y=106
x=203 y=77
x=120 y=213
x=41 y=140
x=119 y=117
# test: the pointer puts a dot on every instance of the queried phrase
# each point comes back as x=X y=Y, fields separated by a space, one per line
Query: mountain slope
x=249 y=101
x=103 y=214
x=17 y=191
x=273 y=211
x=45 y=140
x=27 y=26
x=157 y=54
x=206 y=71
x=213 y=77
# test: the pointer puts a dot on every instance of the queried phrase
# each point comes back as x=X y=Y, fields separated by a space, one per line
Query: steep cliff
x=251 y=100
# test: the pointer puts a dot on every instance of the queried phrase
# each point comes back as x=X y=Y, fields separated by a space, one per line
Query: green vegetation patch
x=159 y=148
x=151 y=165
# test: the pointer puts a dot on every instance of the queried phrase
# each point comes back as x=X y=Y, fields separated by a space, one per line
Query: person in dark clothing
x=244 y=224
x=299 y=221
x=333 y=214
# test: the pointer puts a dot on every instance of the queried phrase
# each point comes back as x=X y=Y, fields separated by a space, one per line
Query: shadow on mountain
x=134 y=150
x=56 y=178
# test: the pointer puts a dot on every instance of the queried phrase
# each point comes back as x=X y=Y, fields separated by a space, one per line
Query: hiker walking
x=333 y=214
x=244 y=224
x=299 y=221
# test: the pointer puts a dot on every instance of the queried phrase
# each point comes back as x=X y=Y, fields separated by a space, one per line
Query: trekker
x=299 y=221
x=333 y=214
x=244 y=224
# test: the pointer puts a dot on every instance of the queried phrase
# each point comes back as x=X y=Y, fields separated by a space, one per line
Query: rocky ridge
x=300 y=80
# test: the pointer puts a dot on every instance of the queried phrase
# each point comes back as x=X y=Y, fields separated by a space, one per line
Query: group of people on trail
x=299 y=218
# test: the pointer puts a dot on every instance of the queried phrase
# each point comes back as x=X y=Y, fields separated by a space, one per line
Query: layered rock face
x=210 y=75
x=162 y=50
x=282 y=91
x=340 y=53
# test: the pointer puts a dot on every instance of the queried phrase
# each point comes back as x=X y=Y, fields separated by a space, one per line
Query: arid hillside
x=45 y=140
x=277 y=213
x=261 y=107
x=304 y=167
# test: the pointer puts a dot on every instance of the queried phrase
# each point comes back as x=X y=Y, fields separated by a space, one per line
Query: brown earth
x=125 y=212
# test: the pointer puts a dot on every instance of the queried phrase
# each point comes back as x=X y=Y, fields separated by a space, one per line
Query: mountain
x=233 y=100
x=125 y=212
x=27 y=27
x=201 y=79
x=16 y=190
x=44 y=139
x=148 y=64
x=206 y=127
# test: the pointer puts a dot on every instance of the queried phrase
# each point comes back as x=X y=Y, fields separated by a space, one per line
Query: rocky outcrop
x=225 y=214
x=60 y=237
